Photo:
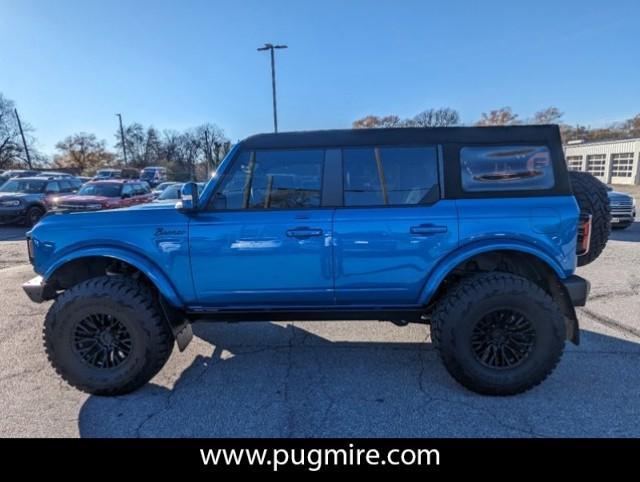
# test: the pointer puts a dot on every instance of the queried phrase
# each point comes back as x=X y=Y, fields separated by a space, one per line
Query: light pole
x=124 y=148
x=271 y=48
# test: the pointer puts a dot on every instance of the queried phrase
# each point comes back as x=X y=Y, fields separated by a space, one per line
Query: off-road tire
x=133 y=305
x=461 y=309
x=592 y=198
x=33 y=215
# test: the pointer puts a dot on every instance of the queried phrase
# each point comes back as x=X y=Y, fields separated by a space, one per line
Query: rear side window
x=390 y=176
x=276 y=179
x=506 y=168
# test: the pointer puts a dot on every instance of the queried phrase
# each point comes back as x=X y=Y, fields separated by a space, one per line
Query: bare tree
x=12 y=153
x=372 y=121
x=498 y=117
x=550 y=115
x=84 y=152
x=442 y=117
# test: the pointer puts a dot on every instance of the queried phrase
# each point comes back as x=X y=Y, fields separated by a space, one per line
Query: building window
x=574 y=163
x=622 y=164
x=596 y=164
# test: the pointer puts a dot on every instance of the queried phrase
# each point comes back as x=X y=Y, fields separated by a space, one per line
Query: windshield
x=19 y=185
x=172 y=192
x=148 y=174
x=102 y=189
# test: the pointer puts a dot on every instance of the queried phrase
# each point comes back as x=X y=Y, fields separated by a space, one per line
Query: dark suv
x=475 y=231
x=26 y=199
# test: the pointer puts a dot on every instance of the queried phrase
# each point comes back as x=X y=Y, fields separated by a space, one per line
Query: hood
x=619 y=195
x=88 y=199
x=16 y=195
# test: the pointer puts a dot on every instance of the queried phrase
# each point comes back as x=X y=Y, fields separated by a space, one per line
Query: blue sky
x=71 y=65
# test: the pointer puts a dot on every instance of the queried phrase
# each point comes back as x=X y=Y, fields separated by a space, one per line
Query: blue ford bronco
x=476 y=231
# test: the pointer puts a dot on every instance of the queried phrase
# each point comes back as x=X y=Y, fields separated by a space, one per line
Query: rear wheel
x=498 y=334
x=592 y=198
x=107 y=336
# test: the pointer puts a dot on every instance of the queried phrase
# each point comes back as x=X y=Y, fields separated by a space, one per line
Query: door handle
x=304 y=232
x=427 y=229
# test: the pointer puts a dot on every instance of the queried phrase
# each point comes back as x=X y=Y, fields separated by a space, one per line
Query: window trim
x=438 y=165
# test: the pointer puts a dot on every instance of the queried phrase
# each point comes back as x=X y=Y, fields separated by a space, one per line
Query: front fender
x=444 y=267
x=145 y=265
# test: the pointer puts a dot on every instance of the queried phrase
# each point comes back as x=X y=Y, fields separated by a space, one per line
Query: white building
x=613 y=162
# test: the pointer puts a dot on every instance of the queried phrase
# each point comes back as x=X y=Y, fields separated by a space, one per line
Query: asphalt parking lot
x=315 y=379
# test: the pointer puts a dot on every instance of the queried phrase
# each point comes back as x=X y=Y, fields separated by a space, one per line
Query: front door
x=264 y=239
x=393 y=227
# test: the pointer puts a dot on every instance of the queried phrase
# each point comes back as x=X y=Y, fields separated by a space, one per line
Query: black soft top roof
x=547 y=134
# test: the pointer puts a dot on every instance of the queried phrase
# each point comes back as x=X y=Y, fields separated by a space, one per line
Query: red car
x=116 y=193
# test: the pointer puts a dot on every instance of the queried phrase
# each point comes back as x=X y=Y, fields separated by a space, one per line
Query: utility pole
x=271 y=49
x=124 y=147
x=24 y=141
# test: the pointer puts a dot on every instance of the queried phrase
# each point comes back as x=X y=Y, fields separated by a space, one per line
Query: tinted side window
x=506 y=168
x=272 y=179
x=53 y=187
x=127 y=190
x=393 y=176
x=65 y=186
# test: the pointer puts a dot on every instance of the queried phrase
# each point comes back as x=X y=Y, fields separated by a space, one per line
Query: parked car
x=154 y=175
x=474 y=230
x=104 y=174
x=11 y=173
x=172 y=193
x=99 y=195
x=26 y=199
x=161 y=187
x=56 y=174
x=623 y=208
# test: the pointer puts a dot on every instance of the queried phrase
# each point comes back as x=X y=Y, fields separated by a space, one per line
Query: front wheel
x=498 y=333
x=33 y=215
x=106 y=336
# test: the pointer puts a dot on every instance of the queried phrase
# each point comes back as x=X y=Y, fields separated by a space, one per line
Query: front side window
x=277 y=179
x=390 y=176
x=53 y=187
x=506 y=168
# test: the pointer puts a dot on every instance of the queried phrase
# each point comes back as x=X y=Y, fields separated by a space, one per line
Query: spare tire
x=592 y=198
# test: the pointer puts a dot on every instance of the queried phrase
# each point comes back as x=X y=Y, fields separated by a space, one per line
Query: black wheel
x=106 y=336
x=34 y=213
x=592 y=198
x=498 y=334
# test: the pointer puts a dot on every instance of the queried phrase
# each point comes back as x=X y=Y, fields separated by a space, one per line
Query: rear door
x=393 y=227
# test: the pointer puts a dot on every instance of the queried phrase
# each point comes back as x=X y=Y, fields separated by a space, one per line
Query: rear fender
x=446 y=265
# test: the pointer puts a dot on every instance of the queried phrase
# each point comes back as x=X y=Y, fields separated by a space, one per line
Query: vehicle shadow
x=273 y=380
x=630 y=234
x=12 y=233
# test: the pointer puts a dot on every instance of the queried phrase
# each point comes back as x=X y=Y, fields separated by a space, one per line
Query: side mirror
x=189 y=197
